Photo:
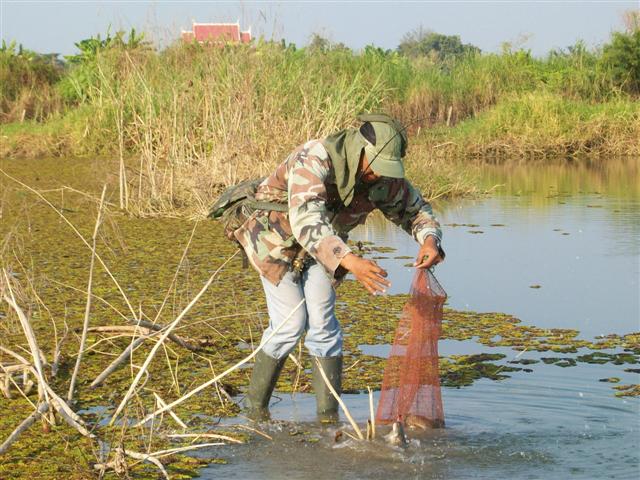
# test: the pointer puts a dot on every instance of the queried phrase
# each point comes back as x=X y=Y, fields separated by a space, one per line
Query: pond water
x=571 y=230
x=556 y=245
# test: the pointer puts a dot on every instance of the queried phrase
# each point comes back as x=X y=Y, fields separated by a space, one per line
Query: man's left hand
x=429 y=253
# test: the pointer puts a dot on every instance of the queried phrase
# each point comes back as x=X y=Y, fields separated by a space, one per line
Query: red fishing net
x=411 y=384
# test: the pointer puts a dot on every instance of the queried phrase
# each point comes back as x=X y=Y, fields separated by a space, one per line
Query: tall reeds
x=204 y=117
x=186 y=121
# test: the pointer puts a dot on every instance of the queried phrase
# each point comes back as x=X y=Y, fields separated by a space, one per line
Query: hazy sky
x=54 y=26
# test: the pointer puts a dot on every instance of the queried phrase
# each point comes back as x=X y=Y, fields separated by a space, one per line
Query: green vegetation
x=190 y=119
x=27 y=84
x=622 y=55
x=542 y=125
x=421 y=42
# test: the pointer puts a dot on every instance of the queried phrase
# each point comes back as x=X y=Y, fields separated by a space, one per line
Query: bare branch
x=166 y=333
x=87 y=309
x=223 y=374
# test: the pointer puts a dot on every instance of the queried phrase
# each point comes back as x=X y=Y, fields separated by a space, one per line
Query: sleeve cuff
x=330 y=252
x=422 y=235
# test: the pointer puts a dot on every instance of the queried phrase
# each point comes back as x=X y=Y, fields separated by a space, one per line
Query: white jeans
x=316 y=316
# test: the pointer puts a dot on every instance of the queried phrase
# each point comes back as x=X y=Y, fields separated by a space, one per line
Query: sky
x=54 y=26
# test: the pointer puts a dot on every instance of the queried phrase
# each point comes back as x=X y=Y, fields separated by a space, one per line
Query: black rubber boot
x=263 y=380
x=326 y=403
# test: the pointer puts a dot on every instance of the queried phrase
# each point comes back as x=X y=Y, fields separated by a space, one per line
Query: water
x=550 y=423
x=572 y=230
x=579 y=243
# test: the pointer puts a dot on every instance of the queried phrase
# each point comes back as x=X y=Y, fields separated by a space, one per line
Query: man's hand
x=367 y=272
x=429 y=254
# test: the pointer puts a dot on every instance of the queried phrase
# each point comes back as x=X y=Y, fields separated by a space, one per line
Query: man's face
x=367 y=175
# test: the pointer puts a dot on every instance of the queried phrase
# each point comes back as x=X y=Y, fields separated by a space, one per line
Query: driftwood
x=196 y=436
x=87 y=309
x=119 y=465
x=171 y=336
x=31 y=339
x=337 y=397
x=251 y=429
x=162 y=403
x=372 y=413
x=123 y=357
x=223 y=374
x=6 y=375
x=131 y=329
x=45 y=391
x=165 y=334
x=172 y=451
x=58 y=352
x=69 y=416
x=15 y=355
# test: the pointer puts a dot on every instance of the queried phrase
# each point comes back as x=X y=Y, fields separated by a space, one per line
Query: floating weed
x=615 y=358
x=627 y=390
x=524 y=361
x=560 y=362
x=383 y=249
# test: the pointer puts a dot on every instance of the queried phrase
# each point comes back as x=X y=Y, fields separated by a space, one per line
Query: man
x=330 y=186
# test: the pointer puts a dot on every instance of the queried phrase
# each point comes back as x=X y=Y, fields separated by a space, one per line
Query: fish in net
x=411 y=384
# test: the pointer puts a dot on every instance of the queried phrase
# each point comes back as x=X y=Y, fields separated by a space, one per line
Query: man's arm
x=403 y=204
x=308 y=215
x=311 y=221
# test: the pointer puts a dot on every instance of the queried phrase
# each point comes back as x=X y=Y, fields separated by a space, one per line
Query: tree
x=318 y=43
x=622 y=54
x=421 y=42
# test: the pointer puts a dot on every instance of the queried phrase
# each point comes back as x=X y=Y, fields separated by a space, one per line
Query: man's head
x=382 y=155
x=367 y=174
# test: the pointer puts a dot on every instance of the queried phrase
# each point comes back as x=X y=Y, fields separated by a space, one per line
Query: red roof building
x=217 y=33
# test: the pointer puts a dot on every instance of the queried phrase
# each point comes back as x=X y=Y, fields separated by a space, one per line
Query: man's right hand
x=367 y=272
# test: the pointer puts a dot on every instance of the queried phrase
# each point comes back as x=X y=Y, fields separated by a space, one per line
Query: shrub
x=622 y=55
x=26 y=80
x=421 y=42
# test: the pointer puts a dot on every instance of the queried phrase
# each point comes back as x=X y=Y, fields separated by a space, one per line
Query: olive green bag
x=237 y=203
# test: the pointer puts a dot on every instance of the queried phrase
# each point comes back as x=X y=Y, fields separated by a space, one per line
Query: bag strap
x=272 y=206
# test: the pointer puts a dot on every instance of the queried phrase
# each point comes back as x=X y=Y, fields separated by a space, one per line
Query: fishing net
x=411 y=384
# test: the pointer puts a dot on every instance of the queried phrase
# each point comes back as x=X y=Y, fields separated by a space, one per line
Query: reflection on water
x=543 y=181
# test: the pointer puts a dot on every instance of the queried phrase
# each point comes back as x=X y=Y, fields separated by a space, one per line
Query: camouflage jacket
x=306 y=181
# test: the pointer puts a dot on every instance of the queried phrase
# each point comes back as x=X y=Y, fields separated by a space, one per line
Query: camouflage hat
x=385 y=157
